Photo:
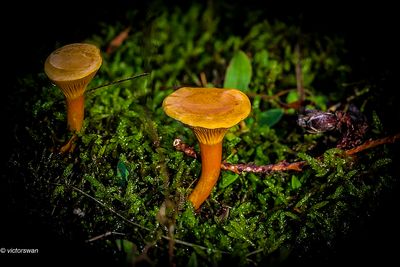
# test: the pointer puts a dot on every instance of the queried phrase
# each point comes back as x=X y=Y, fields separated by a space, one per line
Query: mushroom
x=209 y=112
x=71 y=68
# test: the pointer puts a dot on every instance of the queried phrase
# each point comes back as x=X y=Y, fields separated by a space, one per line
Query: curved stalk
x=71 y=68
x=75 y=113
x=211 y=156
x=75 y=116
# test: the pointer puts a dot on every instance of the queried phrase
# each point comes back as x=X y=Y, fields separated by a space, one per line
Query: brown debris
x=283 y=165
x=118 y=40
x=69 y=146
x=242 y=167
x=188 y=150
x=373 y=143
x=248 y=167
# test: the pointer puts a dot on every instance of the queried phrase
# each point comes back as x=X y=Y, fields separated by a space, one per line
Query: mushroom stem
x=209 y=112
x=71 y=68
x=75 y=113
x=211 y=156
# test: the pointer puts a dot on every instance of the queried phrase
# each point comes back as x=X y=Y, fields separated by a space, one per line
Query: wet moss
x=125 y=176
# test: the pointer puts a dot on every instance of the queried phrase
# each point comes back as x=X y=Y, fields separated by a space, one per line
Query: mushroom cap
x=73 y=62
x=209 y=108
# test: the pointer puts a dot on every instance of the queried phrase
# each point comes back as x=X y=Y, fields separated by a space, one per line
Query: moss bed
x=122 y=192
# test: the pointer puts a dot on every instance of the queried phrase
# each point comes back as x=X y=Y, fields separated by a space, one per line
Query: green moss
x=125 y=168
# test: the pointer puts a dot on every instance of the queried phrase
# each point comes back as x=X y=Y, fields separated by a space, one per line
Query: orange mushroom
x=209 y=112
x=71 y=68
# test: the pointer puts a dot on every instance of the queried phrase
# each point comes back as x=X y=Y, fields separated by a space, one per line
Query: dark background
x=30 y=31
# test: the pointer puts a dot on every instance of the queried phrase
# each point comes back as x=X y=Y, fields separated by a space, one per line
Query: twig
x=269 y=97
x=152 y=132
x=177 y=241
x=246 y=167
x=373 y=143
x=242 y=167
x=299 y=75
x=92 y=90
x=296 y=104
x=171 y=245
x=118 y=40
x=194 y=245
x=203 y=79
x=280 y=166
x=188 y=150
x=254 y=252
x=110 y=209
x=102 y=236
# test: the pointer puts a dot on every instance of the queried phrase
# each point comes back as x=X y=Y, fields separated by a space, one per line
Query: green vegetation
x=126 y=177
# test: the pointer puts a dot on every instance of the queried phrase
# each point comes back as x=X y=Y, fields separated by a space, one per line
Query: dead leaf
x=118 y=40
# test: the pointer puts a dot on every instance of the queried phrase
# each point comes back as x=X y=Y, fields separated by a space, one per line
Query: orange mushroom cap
x=210 y=112
x=72 y=67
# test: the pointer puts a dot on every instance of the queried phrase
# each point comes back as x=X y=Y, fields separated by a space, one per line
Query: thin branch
x=188 y=150
x=92 y=90
x=171 y=244
x=194 y=245
x=254 y=252
x=110 y=209
x=373 y=143
x=246 y=167
x=118 y=40
x=280 y=166
x=299 y=75
x=242 y=167
x=296 y=104
x=177 y=241
x=203 y=79
x=270 y=97
x=102 y=236
x=152 y=132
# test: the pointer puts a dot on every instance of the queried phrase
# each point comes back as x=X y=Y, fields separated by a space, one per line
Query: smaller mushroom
x=71 y=68
x=209 y=112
